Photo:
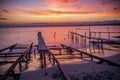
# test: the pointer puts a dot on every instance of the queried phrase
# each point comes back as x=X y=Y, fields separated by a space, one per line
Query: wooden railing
x=66 y=77
x=10 y=71
x=93 y=56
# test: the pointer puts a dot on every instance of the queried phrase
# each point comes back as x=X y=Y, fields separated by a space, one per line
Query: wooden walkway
x=43 y=50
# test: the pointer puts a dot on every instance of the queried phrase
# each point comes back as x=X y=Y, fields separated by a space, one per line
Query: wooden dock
x=92 y=56
x=43 y=50
x=99 y=40
x=10 y=71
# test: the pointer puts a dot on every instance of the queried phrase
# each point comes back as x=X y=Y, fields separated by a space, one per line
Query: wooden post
x=85 y=43
x=99 y=45
x=20 y=66
x=41 y=60
x=99 y=34
x=102 y=46
x=108 y=35
x=60 y=52
x=81 y=55
x=91 y=58
x=93 y=45
x=44 y=60
x=68 y=34
x=29 y=55
x=53 y=62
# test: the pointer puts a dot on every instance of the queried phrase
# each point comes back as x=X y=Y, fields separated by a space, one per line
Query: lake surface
x=52 y=35
x=59 y=35
x=56 y=36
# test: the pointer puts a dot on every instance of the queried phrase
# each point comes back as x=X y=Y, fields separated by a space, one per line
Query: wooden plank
x=55 y=48
x=8 y=47
x=70 y=58
x=105 y=32
x=66 y=77
x=10 y=53
x=19 y=47
x=7 y=56
x=93 y=56
x=64 y=54
x=4 y=62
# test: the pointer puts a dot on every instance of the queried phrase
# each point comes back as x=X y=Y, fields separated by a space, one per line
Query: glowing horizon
x=53 y=11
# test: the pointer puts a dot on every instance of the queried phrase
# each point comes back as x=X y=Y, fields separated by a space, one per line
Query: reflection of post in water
x=76 y=39
x=90 y=35
x=72 y=38
x=68 y=34
x=102 y=46
x=93 y=45
x=54 y=35
x=82 y=43
x=85 y=43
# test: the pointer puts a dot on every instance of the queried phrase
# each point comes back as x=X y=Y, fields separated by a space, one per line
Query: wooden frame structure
x=10 y=71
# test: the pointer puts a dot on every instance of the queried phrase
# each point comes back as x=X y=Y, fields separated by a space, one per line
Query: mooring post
x=41 y=60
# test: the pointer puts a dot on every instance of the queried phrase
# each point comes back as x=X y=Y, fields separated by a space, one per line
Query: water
x=24 y=35
x=52 y=35
x=56 y=36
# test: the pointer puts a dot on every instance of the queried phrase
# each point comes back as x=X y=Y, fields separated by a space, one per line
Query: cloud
x=51 y=12
x=66 y=1
x=6 y=11
x=3 y=19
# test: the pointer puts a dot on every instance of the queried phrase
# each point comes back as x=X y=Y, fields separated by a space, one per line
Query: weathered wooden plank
x=19 y=47
x=64 y=54
x=105 y=32
x=10 y=53
x=66 y=77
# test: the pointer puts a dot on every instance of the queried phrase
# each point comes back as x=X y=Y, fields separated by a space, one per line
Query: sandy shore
x=87 y=70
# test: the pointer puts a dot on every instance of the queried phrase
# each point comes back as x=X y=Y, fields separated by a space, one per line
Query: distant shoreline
x=5 y=26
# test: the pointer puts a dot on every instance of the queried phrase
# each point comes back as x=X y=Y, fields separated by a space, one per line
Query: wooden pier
x=43 y=50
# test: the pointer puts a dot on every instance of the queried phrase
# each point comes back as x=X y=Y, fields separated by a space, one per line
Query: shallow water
x=57 y=35
x=24 y=35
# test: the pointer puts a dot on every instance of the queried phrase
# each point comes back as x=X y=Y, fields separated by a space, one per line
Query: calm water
x=56 y=36
x=25 y=35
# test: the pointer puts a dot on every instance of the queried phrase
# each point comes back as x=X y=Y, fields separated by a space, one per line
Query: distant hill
x=97 y=23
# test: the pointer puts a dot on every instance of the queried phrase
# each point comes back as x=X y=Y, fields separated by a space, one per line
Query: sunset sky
x=34 y=11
